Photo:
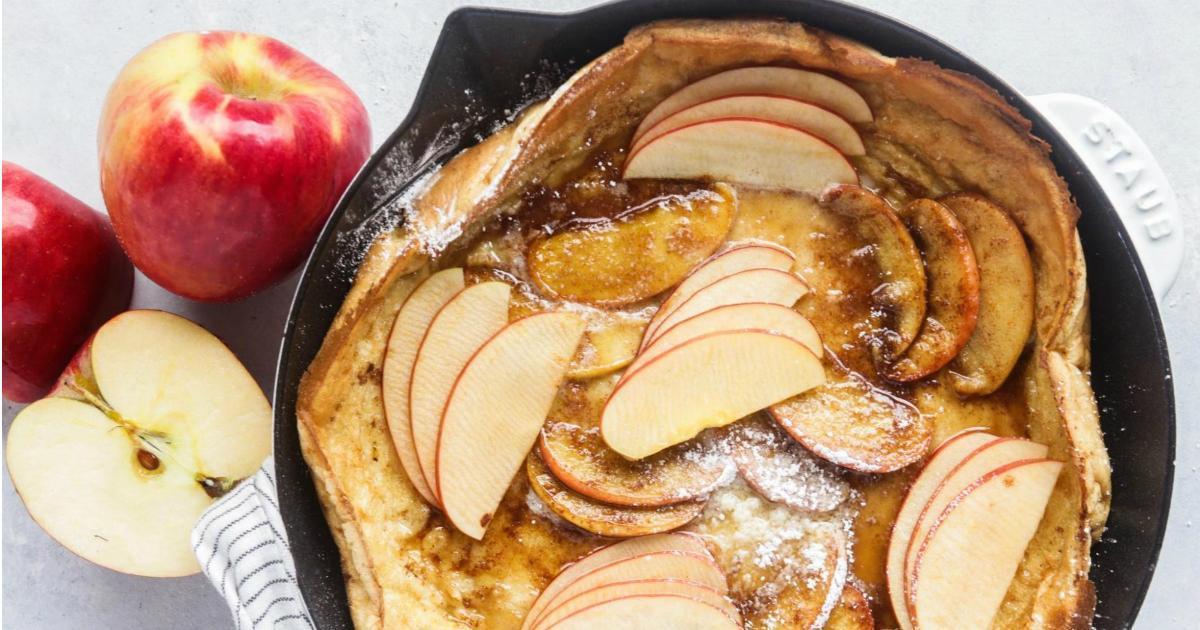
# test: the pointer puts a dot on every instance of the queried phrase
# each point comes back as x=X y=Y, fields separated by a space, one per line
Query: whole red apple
x=221 y=156
x=64 y=275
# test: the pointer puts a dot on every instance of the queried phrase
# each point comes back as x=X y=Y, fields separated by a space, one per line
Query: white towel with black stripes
x=242 y=547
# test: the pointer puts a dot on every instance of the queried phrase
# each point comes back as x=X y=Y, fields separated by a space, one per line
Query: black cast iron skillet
x=489 y=62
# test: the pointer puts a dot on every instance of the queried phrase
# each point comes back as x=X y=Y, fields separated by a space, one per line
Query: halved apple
x=782 y=471
x=849 y=422
x=637 y=256
x=743 y=151
x=742 y=316
x=900 y=301
x=953 y=281
x=161 y=418
x=572 y=447
x=600 y=594
x=963 y=569
x=814 y=119
x=770 y=286
x=407 y=331
x=739 y=256
x=805 y=85
x=853 y=611
x=1006 y=295
x=494 y=411
x=602 y=519
x=707 y=381
x=458 y=329
x=681 y=542
x=650 y=611
x=944 y=459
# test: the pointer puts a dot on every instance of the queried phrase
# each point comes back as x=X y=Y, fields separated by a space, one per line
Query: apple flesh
x=698 y=567
x=743 y=151
x=456 y=332
x=64 y=275
x=609 y=592
x=650 y=611
x=708 y=381
x=813 y=87
x=963 y=569
x=408 y=329
x=163 y=418
x=814 y=119
x=221 y=156
x=494 y=411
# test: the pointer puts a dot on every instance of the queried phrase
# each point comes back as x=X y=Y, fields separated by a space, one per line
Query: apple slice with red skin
x=161 y=418
x=782 y=471
x=900 y=300
x=853 y=611
x=803 y=583
x=494 y=411
x=705 y=382
x=611 y=521
x=953 y=286
x=963 y=569
x=1006 y=295
x=649 y=611
x=770 y=286
x=740 y=256
x=805 y=85
x=682 y=542
x=572 y=447
x=608 y=592
x=408 y=329
x=458 y=329
x=743 y=151
x=740 y=316
x=944 y=459
x=814 y=119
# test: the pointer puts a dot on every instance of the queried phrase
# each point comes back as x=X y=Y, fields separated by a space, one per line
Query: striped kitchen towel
x=242 y=548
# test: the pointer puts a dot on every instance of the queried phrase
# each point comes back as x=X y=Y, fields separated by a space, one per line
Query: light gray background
x=59 y=57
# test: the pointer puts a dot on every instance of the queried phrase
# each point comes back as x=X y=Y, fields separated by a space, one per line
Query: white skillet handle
x=1129 y=175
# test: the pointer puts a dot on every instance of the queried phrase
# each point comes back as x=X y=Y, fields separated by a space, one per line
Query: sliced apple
x=460 y=327
x=782 y=471
x=572 y=447
x=610 y=343
x=494 y=411
x=743 y=151
x=963 y=569
x=805 y=85
x=799 y=583
x=953 y=286
x=407 y=331
x=162 y=418
x=740 y=256
x=900 y=301
x=769 y=286
x=602 y=519
x=680 y=542
x=853 y=611
x=814 y=119
x=742 y=316
x=708 y=381
x=944 y=459
x=637 y=256
x=849 y=422
x=600 y=594
x=649 y=611
x=1006 y=295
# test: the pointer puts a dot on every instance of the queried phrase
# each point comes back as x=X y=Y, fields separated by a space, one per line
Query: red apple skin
x=64 y=275
x=221 y=156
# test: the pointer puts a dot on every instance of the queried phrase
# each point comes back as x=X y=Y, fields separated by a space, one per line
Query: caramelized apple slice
x=708 y=381
x=737 y=257
x=853 y=611
x=795 y=583
x=780 y=470
x=814 y=119
x=610 y=343
x=1006 y=295
x=650 y=611
x=574 y=451
x=900 y=300
x=850 y=423
x=657 y=587
x=743 y=151
x=637 y=256
x=601 y=518
x=953 y=278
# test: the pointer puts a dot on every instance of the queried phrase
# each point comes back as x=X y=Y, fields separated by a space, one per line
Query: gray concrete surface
x=60 y=55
